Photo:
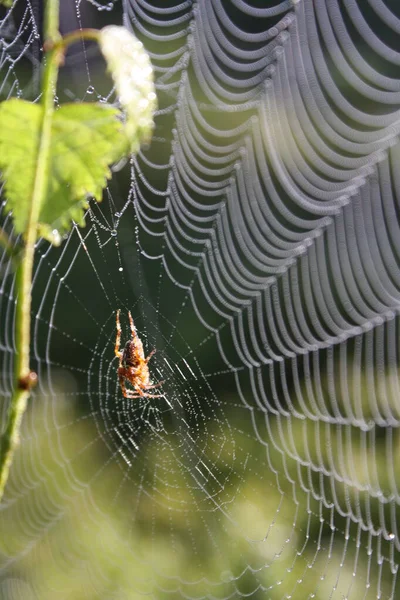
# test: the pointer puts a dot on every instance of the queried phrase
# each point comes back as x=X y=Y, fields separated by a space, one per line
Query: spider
x=133 y=365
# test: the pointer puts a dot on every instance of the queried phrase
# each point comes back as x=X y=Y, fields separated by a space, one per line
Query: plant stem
x=24 y=378
x=73 y=37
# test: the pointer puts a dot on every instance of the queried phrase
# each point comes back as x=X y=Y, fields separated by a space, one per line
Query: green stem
x=81 y=34
x=24 y=378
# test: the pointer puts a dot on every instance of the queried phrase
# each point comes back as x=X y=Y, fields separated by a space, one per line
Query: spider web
x=256 y=243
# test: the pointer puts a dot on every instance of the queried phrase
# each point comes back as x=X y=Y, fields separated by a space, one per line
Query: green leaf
x=85 y=140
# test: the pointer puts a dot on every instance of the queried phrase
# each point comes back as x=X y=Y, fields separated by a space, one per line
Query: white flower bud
x=132 y=73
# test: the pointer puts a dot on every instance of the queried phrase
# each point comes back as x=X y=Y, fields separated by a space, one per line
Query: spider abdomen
x=133 y=353
x=133 y=365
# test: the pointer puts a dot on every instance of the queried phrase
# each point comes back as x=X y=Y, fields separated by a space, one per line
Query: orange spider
x=133 y=365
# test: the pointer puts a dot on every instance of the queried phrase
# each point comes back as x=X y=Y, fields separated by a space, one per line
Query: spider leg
x=150 y=355
x=133 y=329
x=136 y=394
x=125 y=392
x=118 y=339
x=153 y=385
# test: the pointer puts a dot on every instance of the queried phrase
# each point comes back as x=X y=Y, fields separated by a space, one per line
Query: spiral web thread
x=257 y=246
